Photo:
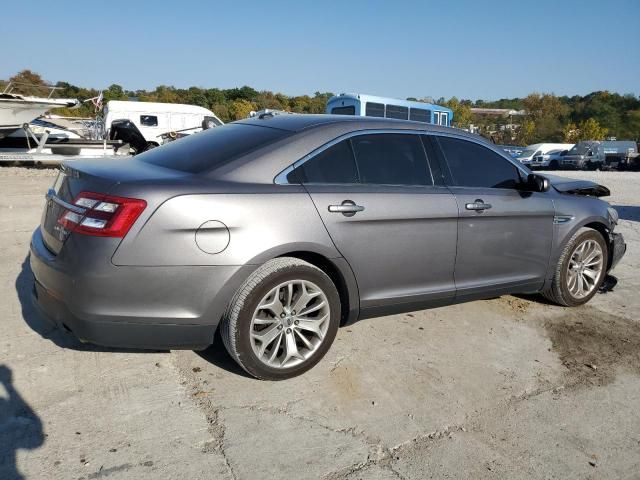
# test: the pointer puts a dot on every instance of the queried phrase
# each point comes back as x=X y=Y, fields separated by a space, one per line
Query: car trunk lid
x=95 y=176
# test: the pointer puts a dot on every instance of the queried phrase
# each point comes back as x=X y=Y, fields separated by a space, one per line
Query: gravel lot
x=503 y=388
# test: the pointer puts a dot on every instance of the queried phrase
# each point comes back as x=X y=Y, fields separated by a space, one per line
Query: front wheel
x=282 y=320
x=581 y=269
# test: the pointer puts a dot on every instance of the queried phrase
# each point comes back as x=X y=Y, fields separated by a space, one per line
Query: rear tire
x=570 y=270
x=264 y=333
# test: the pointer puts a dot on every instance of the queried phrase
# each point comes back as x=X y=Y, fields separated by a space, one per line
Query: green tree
x=461 y=112
x=114 y=92
x=240 y=108
x=526 y=132
x=547 y=113
x=590 y=129
x=27 y=82
x=632 y=124
x=570 y=133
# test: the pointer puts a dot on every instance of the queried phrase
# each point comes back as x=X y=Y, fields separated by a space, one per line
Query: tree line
x=549 y=118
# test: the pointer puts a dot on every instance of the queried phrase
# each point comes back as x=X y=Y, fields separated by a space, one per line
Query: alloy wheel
x=584 y=268
x=289 y=324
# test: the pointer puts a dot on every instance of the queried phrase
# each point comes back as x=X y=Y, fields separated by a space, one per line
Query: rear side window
x=212 y=148
x=396 y=111
x=148 y=120
x=391 y=159
x=374 y=109
x=344 y=110
x=333 y=165
x=473 y=165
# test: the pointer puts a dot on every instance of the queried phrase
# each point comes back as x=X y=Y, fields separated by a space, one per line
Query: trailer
x=602 y=155
x=621 y=154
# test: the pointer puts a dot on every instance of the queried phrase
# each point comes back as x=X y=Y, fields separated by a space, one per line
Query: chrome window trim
x=281 y=178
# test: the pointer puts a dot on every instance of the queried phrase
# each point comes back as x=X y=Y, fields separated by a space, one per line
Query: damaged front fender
x=572 y=186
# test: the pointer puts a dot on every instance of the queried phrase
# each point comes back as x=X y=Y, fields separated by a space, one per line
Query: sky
x=469 y=49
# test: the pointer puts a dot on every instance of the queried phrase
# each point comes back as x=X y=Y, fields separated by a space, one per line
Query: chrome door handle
x=478 y=206
x=348 y=208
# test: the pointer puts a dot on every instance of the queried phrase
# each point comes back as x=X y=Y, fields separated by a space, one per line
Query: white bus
x=371 y=106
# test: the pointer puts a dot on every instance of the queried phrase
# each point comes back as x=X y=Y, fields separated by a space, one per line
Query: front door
x=504 y=233
x=396 y=229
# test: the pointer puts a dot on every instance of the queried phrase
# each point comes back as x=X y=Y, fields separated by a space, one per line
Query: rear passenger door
x=396 y=228
x=504 y=232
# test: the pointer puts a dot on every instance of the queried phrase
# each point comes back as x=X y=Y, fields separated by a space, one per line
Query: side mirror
x=537 y=183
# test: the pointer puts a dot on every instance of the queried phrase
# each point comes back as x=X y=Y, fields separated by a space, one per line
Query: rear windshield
x=212 y=148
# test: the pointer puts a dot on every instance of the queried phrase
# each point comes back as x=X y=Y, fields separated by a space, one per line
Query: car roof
x=309 y=132
x=300 y=122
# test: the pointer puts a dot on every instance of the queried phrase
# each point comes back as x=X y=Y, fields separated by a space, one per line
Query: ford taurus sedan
x=274 y=231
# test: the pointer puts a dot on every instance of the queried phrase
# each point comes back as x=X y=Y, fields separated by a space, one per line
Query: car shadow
x=20 y=426
x=628 y=212
x=217 y=355
x=39 y=324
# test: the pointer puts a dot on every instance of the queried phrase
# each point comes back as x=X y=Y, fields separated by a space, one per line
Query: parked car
x=550 y=160
x=585 y=155
x=275 y=230
x=513 y=150
x=532 y=154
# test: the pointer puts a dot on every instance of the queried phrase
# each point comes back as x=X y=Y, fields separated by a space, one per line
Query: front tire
x=282 y=320
x=580 y=271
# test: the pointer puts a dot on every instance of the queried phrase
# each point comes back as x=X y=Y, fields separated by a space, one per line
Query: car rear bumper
x=617 y=249
x=132 y=307
x=122 y=334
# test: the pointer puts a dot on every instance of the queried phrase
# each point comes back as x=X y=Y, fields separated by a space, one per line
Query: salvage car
x=273 y=231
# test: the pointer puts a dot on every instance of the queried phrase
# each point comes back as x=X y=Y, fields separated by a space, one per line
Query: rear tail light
x=104 y=215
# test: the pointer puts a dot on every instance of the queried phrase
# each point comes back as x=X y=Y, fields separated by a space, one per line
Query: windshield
x=211 y=148
x=579 y=149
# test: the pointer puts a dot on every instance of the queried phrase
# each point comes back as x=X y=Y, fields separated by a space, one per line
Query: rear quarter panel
x=248 y=228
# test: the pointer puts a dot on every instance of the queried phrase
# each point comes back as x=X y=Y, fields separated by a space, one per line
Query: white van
x=157 y=121
x=532 y=155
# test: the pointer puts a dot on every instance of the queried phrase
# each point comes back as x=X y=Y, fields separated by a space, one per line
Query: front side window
x=374 y=109
x=350 y=110
x=391 y=159
x=473 y=165
x=148 y=120
x=398 y=112
x=333 y=165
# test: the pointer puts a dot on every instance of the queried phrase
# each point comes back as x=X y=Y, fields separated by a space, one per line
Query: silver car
x=276 y=230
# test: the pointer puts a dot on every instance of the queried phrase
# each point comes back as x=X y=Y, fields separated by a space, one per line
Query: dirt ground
x=504 y=388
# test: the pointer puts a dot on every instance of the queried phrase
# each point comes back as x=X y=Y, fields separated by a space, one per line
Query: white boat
x=17 y=109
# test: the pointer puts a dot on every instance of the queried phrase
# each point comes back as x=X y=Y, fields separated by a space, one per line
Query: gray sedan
x=274 y=231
